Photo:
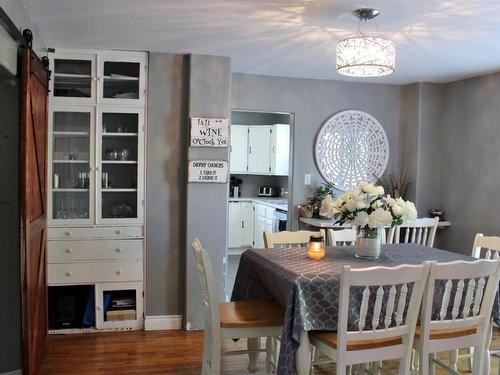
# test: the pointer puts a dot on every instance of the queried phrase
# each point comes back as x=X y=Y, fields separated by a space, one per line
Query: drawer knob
x=119 y=231
x=69 y=273
x=69 y=233
x=118 y=250
x=119 y=272
x=69 y=250
x=98 y=307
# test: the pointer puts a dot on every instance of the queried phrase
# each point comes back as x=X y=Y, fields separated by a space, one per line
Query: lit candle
x=316 y=248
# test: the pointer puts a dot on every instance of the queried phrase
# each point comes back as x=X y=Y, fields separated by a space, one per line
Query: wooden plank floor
x=143 y=353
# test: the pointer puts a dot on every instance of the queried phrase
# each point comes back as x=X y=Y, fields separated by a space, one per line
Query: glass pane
x=119 y=165
x=70 y=165
x=72 y=78
x=119 y=305
x=121 y=80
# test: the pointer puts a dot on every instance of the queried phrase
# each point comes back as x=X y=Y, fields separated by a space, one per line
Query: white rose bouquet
x=368 y=208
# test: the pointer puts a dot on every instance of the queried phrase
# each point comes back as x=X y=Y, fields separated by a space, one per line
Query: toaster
x=269 y=191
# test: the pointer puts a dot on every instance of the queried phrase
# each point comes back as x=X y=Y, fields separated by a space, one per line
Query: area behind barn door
x=33 y=176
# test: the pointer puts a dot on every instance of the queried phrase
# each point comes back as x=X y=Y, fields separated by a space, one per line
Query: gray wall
x=165 y=184
x=10 y=275
x=313 y=102
x=469 y=146
x=207 y=204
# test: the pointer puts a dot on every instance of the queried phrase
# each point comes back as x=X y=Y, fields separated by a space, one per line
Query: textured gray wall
x=207 y=204
x=409 y=136
x=313 y=102
x=165 y=184
x=10 y=274
x=470 y=150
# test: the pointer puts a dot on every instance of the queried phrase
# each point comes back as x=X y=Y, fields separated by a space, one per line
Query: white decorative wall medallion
x=351 y=147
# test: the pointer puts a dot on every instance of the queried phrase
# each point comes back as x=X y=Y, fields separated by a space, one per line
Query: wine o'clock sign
x=209 y=132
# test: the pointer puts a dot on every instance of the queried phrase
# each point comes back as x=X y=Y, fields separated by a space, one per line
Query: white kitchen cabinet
x=263 y=222
x=241 y=222
x=280 y=149
x=260 y=149
x=239 y=149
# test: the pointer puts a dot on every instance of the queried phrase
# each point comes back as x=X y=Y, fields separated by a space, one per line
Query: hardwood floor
x=165 y=352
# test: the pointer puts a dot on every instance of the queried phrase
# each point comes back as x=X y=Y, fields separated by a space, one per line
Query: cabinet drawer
x=70 y=233
x=90 y=272
x=69 y=251
x=118 y=232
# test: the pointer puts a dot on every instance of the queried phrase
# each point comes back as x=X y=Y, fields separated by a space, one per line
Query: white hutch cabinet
x=96 y=188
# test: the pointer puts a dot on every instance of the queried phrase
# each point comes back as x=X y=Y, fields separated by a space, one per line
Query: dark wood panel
x=33 y=177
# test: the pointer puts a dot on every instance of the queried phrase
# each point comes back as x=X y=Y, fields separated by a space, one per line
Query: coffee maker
x=234 y=187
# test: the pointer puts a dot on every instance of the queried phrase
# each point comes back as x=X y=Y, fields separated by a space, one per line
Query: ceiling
x=436 y=41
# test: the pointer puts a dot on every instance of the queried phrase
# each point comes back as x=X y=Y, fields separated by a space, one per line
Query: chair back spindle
x=420 y=231
x=288 y=239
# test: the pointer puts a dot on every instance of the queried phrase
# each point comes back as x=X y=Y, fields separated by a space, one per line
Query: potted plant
x=326 y=189
x=369 y=210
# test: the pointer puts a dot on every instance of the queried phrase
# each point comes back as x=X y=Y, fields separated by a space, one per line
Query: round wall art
x=351 y=147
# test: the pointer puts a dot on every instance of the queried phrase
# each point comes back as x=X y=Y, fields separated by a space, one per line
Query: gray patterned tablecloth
x=309 y=289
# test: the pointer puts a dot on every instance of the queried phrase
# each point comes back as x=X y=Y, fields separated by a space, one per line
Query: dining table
x=309 y=289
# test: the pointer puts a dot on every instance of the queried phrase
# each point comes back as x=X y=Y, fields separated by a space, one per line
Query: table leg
x=303 y=355
x=253 y=343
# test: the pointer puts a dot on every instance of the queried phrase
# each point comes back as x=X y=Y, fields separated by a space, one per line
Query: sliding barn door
x=33 y=176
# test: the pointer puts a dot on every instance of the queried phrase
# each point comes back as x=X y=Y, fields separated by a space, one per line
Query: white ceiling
x=436 y=41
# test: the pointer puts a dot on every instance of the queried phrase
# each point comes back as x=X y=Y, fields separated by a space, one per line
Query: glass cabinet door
x=121 y=80
x=71 y=165
x=74 y=77
x=120 y=139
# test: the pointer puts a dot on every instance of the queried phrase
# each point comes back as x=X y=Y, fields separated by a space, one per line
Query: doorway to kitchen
x=260 y=161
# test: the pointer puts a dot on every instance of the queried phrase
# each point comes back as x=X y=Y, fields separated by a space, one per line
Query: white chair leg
x=303 y=355
x=453 y=359
x=479 y=356
x=470 y=361
x=423 y=362
x=341 y=368
x=253 y=343
x=269 y=354
x=415 y=360
x=432 y=364
x=487 y=358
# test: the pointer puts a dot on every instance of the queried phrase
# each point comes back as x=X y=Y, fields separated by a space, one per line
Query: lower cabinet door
x=247 y=219
x=260 y=227
x=119 y=305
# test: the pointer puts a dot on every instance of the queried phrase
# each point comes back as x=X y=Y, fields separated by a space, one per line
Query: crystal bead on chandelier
x=366 y=56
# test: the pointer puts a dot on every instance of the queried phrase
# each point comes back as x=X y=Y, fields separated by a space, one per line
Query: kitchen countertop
x=279 y=203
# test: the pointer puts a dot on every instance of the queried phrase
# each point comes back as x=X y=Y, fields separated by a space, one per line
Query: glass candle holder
x=316 y=248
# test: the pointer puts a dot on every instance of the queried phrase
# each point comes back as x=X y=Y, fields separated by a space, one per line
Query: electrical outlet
x=307 y=179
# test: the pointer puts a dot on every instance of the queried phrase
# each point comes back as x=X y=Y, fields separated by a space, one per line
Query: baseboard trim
x=15 y=372
x=162 y=322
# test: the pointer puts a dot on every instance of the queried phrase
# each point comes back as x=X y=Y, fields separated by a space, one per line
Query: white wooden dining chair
x=463 y=314
x=484 y=247
x=420 y=231
x=251 y=319
x=290 y=239
x=341 y=237
x=382 y=333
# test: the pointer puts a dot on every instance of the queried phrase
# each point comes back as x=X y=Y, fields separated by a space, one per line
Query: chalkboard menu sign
x=214 y=171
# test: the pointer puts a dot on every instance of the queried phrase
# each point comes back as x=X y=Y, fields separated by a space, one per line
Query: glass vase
x=367 y=242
